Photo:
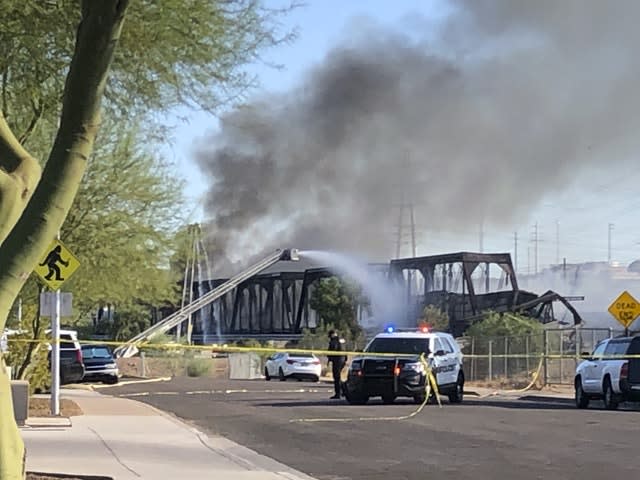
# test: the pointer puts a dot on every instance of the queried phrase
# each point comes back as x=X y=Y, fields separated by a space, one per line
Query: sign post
x=625 y=309
x=56 y=267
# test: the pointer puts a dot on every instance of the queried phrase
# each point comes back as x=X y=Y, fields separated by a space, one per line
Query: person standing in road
x=336 y=344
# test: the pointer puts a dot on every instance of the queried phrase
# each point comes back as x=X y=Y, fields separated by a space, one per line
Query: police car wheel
x=388 y=399
x=357 y=400
x=457 y=395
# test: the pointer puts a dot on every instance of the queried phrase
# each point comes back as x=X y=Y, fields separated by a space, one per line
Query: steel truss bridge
x=275 y=305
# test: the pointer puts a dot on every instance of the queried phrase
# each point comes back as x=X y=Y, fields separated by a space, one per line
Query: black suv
x=71 y=363
x=99 y=364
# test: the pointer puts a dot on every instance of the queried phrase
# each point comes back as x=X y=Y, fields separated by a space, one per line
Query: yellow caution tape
x=215 y=348
x=430 y=384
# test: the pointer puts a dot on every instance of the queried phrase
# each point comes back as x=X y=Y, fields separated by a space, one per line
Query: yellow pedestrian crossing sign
x=56 y=265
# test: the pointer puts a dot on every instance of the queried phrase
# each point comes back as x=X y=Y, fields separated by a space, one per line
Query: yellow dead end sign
x=56 y=265
x=625 y=309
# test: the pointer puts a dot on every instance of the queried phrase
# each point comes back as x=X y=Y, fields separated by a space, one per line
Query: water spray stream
x=385 y=297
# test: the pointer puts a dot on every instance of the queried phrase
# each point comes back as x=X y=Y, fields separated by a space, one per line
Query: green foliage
x=171 y=53
x=120 y=229
x=505 y=325
x=28 y=352
x=198 y=367
x=336 y=303
x=434 y=318
x=128 y=321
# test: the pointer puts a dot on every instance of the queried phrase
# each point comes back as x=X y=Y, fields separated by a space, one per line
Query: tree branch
x=38 y=110
x=96 y=39
x=19 y=175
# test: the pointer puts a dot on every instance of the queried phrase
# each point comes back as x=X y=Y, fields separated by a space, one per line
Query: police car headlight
x=414 y=367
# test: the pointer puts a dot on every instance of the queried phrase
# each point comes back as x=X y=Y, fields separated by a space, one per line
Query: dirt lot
x=41 y=407
x=169 y=367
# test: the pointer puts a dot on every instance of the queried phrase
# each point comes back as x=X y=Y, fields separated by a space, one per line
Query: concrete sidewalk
x=125 y=439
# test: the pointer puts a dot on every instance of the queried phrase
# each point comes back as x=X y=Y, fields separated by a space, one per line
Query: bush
x=198 y=367
x=434 y=318
x=504 y=325
x=28 y=351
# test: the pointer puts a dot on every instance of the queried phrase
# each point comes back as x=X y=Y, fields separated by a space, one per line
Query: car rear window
x=399 y=345
x=66 y=341
x=301 y=355
x=617 y=347
x=95 y=352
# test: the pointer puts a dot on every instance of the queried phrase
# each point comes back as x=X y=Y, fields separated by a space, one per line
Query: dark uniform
x=336 y=344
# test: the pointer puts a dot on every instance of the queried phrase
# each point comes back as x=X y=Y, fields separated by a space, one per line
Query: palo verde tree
x=172 y=52
x=336 y=302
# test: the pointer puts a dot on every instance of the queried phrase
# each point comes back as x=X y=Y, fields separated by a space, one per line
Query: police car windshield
x=399 y=345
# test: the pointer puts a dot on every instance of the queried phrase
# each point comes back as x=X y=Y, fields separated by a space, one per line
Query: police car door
x=444 y=362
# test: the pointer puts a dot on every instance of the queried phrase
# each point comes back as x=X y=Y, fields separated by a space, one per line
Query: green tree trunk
x=96 y=39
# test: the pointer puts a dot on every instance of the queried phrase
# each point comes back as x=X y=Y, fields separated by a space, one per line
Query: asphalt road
x=480 y=439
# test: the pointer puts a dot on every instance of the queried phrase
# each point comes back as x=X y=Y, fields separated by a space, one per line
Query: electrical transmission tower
x=406 y=227
x=196 y=254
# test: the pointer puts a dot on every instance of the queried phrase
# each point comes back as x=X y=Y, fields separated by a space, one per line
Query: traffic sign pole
x=55 y=358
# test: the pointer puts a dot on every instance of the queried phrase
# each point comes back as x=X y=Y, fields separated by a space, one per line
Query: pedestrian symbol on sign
x=57 y=265
x=51 y=262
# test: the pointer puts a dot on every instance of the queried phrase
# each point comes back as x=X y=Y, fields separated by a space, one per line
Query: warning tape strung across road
x=214 y=348
x=431 y=386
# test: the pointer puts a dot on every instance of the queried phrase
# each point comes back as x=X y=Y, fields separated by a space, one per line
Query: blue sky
x=583 y=209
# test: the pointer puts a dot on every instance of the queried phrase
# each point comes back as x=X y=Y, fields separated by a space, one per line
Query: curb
x=132 y=382
x=48 y=422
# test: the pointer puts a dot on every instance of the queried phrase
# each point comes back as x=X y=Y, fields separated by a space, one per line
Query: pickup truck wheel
x=582 y=401
x=610 y=400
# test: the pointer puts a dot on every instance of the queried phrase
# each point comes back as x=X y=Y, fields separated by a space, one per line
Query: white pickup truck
x=608 y=375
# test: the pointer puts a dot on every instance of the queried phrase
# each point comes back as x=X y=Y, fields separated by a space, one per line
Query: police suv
x=389 y=377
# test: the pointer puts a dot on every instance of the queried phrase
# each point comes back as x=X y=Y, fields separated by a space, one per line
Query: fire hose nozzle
x=290 y=255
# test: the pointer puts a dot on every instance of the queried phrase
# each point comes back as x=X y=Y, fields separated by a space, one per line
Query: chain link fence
x=513 y=360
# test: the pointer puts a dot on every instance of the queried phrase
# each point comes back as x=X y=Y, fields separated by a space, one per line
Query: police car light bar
x=392 y=329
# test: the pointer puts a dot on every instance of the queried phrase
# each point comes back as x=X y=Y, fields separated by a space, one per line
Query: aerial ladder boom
x=130 y=348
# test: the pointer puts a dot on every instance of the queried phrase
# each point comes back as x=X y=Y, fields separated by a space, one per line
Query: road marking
x=224 y=392
x=134 y=382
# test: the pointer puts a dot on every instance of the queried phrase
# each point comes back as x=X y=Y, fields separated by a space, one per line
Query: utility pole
x=609 y=244
x=515 y=251
x=557 y=242
x=535 y=241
